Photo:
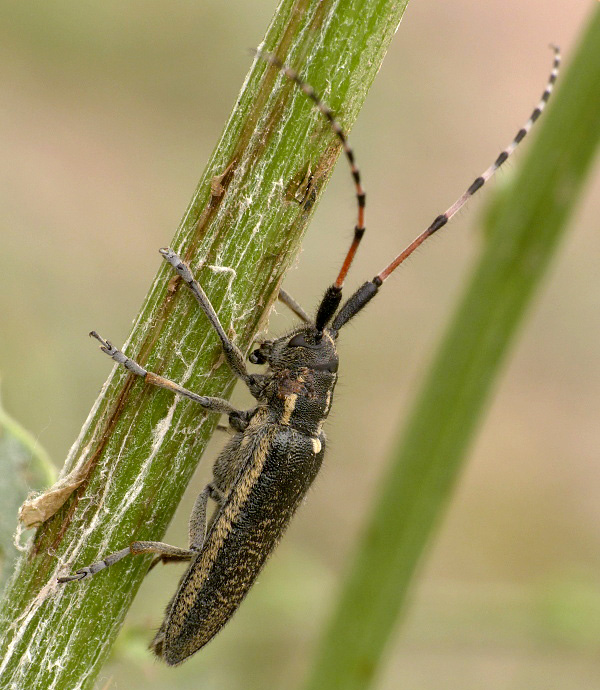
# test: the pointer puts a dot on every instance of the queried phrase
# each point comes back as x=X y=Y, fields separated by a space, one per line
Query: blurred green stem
x=523 y=236
x=140 y=446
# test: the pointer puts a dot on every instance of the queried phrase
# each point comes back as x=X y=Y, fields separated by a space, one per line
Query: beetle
x=265 y=470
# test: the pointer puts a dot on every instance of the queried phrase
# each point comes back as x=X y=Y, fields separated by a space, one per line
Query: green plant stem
x=524 y=232
x=140 y=446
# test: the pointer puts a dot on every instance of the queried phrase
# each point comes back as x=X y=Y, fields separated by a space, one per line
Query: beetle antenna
x=367 y=291
x=333 y=296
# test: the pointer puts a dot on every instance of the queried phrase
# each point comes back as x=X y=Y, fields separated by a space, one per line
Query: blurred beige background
x=109 y=111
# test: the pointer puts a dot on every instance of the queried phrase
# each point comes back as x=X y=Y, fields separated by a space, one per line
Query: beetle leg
x=197 y=526
x=232 y=352
x=212 y=404
x=137 y=547
x=198 y=521
x=291 y=303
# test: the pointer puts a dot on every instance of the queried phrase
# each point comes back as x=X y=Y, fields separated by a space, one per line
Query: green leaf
x=24 y=467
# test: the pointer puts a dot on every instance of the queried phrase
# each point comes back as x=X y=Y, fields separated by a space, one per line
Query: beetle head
x=305 y=346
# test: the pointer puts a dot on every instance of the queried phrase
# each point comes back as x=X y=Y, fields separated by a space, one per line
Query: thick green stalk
x=140 y=446
x=524 y=232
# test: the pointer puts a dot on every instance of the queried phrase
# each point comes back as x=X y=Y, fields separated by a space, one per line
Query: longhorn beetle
x=277 y=448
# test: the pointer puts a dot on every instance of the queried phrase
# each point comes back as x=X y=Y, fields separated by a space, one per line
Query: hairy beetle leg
x=137 y=547
x=208 y=403
x=293 y=305
x=232 y=352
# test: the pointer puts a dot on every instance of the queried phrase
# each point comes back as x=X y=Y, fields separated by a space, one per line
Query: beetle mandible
x=263 y=473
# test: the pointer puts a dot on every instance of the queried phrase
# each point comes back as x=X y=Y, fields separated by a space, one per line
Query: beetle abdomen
x=282 y=465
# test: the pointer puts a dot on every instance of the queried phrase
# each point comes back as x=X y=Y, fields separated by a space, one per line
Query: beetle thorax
x=302 y=375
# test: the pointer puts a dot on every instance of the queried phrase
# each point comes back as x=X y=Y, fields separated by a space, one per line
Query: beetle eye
x=257 y=357
x=297 y=341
